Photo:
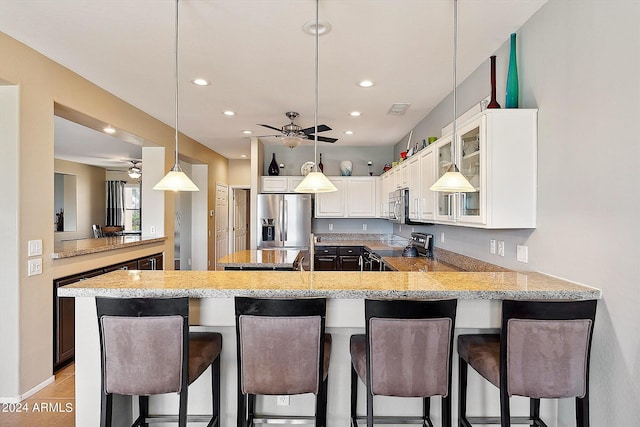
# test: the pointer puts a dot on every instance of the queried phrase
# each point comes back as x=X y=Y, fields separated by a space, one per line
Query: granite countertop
x=346 y=285
x=267 y=258
x=420 y=264
x=73 y=248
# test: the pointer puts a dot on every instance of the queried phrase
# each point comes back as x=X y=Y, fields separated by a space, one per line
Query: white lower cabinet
x=355 y=198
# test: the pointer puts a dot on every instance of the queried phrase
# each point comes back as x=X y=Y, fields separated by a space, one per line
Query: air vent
x=398 y=109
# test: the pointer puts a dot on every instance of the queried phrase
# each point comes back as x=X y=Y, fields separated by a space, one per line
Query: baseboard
x=29 y=393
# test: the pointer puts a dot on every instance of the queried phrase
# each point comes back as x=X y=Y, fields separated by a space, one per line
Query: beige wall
x=240 y=172
x=42 y=83
x=90 y=198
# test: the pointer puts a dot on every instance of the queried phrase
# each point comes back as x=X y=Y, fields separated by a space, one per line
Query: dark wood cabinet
x=64 y=308
x=325 y=258
x=337 y=258
x=349 y=258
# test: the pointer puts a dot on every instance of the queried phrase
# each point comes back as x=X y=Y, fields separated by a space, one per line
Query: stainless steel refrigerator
x=284 y=221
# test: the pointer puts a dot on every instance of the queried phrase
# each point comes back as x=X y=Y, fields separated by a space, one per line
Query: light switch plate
x=34 y=266
x=492 y=246
x=35 y=248
x=500 y=248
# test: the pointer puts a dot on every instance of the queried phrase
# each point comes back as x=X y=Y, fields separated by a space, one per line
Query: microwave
x=399 y=207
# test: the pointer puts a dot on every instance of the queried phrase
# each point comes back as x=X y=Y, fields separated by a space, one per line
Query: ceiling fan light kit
x=176 y=179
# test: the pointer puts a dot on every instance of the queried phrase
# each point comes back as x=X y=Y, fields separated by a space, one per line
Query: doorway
x=222 y=222
x=240 y=214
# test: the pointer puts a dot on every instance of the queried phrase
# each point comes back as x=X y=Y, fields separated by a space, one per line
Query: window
x=132 y=207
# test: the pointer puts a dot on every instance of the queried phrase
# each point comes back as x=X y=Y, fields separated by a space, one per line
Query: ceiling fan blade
x=321 y=128
x=324 y=139
x=270 y=127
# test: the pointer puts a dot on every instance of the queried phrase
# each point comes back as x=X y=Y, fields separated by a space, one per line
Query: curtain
x=115 y=203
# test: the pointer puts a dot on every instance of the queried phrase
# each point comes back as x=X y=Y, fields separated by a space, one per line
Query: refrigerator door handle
x=285 y=219
x=281 y=216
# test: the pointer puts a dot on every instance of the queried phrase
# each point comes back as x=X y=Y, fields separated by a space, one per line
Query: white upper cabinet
x=426 y=203
x=280 y=184
x=496 y=150
x=355 y=198
x=412 y=172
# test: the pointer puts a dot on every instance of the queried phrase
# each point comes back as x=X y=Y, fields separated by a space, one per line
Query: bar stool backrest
x=409 y=347
x=546 y=347
x=143 y=344
x=280 y=345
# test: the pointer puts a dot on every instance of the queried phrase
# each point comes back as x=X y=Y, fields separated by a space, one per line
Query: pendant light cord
x=176 y=165
x=455 y=102
x=315 y=114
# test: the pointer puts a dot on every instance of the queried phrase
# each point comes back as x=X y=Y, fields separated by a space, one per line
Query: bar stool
x=406 y=352
x=146 y=349
x=542 y=351
x=282 y=350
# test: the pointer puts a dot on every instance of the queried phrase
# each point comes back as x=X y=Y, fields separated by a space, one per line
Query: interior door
x=222 y=222
x=239 y=220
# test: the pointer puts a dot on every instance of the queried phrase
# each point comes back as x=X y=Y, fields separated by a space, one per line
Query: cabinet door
x=332 y=205
x=414 y=185
x=470 y=148
x=274 y=184
x=153 y=262
x=427 y=178
x=361 y=197
x=293 y=182
x=445 y=202
x=325 y=259
x=384 y=195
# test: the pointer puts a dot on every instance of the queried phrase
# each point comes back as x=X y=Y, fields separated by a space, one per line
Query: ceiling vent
x=398 y=109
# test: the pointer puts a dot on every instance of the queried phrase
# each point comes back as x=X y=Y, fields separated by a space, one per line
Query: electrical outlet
x=522 y=253
x=34 y=266
x=500 y=248
x=152 y=229
x=364 y=227
x=330 y=227
x=282 y=400
x=442 y=237
x=492 y=246
x=400 y=229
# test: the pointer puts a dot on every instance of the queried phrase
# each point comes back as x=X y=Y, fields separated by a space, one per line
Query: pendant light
x=176 y=179
x=453 y=181
x=316 y=181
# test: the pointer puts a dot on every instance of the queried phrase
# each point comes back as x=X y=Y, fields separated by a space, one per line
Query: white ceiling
x=260 y=62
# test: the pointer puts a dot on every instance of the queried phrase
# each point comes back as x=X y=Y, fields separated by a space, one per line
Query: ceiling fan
x=292 y=134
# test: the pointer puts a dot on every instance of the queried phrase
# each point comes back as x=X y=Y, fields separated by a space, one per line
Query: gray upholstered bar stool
x=406 y=352
x=282 y=350
x=146 y=348
x=542 y=351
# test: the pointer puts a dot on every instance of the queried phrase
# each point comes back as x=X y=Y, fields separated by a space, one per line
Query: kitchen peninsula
x=479 y=295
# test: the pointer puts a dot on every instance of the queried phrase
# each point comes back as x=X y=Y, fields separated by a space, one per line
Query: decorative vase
x=346 y=167
x=512 y=77
x=493 y=103
x=274 y=170
x=320 y=165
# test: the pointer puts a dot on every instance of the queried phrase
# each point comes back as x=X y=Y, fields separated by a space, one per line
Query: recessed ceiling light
x=200 y=82
x=229 y=113
x=109 y=130
x=348 y=132
x=366 y=83
x=355 y=114
x=310 y=28
x=244 y=156
x=247 y=132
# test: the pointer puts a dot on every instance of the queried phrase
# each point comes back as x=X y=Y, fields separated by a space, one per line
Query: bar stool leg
x=462 y=393
x=182 y=415
x=426 y=410
x=143 y=404
x=107 y=407
x=534 y=410
x=215 y=392
x=369 y=409
x=446 y=411
x=505 y=410
x=354 y=397
x=582 y=410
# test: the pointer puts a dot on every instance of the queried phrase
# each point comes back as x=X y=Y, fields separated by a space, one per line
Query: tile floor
x=53 y=406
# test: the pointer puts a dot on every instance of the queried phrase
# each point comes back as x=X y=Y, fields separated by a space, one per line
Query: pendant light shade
x=453 y=181
x=175 y=179
x=316 y=181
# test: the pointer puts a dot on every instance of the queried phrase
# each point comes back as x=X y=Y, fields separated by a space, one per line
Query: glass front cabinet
x=496 y=151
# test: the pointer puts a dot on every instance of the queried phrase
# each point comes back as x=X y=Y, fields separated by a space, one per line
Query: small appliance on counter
x=422 y=243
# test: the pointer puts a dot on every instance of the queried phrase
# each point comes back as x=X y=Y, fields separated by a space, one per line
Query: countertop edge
x=108 y=247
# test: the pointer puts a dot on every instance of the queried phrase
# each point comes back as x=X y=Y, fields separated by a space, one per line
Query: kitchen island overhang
x=478 y=293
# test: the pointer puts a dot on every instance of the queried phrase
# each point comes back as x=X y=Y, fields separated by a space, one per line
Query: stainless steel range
x=422 y=242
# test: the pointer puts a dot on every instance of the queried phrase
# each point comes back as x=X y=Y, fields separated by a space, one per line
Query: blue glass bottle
x=512 y=77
